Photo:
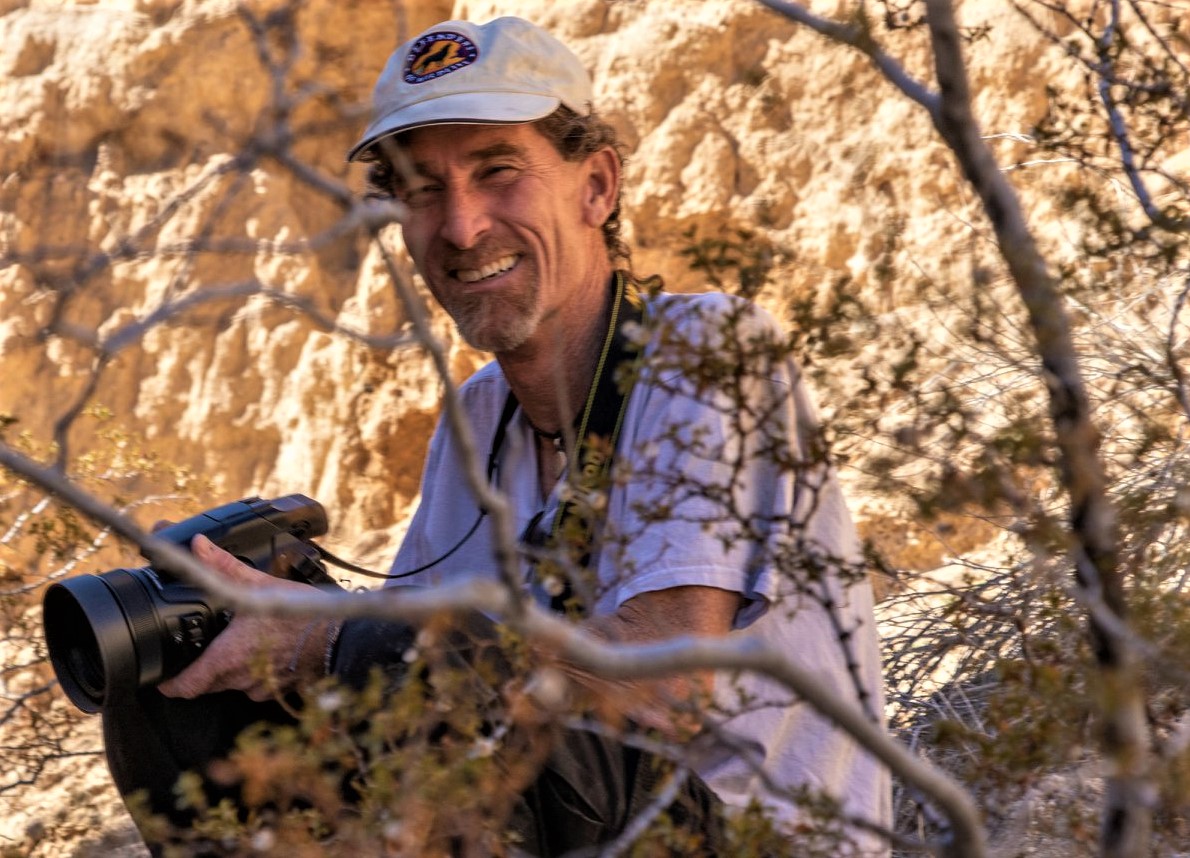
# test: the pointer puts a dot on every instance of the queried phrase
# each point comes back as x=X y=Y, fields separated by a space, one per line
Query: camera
x=111 y=634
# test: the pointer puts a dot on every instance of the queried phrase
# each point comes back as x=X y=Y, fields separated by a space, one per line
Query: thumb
x=225 y=564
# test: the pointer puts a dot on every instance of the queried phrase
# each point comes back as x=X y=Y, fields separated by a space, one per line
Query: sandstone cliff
x=137 y=131
x=151 y=147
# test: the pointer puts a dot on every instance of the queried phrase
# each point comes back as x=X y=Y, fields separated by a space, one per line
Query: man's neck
x=551 y=375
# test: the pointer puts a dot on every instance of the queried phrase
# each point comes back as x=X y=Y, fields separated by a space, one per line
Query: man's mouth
x=492 y=269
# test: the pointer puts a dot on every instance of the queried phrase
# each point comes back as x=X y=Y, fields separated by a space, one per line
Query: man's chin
x=496 y=338
x=506 y=329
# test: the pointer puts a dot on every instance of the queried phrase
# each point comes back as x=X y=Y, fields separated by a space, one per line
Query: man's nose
x=465 y=219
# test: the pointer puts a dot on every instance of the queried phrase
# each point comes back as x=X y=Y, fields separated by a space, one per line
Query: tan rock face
x=141 y=161
x=158 y=152
x=155 y=150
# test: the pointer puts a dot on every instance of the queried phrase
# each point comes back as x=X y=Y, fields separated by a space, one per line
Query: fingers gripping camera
x=111 y=634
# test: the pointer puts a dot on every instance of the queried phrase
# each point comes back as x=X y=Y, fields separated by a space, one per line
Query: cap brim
x=473 y=108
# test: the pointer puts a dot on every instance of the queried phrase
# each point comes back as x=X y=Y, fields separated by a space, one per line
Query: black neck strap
x=597 y=433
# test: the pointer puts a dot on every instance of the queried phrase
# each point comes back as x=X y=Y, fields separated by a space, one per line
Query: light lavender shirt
x=719 y=482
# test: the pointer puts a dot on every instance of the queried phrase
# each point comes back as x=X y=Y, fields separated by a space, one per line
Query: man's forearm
x=650 y=617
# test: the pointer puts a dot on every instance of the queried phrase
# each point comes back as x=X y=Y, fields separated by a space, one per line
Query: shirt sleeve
x=721 y=478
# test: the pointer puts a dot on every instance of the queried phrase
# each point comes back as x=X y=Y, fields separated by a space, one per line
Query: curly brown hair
x=574 y=137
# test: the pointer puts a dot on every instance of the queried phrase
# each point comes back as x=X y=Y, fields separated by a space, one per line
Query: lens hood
x=90 y=642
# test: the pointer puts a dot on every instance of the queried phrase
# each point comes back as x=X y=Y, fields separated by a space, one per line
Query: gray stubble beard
x=472 y=317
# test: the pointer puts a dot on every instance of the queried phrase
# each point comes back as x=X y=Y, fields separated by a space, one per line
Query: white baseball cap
x=505 y=71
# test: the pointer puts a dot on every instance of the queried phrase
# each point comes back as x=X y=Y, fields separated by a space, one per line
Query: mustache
x=475 y=257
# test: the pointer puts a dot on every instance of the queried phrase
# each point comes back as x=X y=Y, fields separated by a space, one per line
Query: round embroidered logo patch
x=436 y=54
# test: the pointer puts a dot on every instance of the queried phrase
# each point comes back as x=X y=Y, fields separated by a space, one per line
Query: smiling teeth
x=474 y=275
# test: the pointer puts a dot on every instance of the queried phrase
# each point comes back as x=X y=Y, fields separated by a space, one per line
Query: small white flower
x=484 y=748
x=330 y=701
x=392 y=831
x=264 y=840
x=548 y=687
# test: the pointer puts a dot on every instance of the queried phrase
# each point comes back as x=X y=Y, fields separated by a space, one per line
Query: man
x=696 y=502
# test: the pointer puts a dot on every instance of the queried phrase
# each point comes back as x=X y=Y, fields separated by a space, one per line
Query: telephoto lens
x=111 y=634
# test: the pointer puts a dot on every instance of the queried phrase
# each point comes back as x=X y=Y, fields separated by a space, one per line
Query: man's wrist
x=296 y=661
x=332 y=642
x=317 y=660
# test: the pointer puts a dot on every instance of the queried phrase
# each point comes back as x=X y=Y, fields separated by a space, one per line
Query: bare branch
x=679 y=655
x=1119 y=127
x=860 y=38
x=556 y=634
x=1092 y=518
x=489 y=498
x=1171 y=357
x=1091 y=515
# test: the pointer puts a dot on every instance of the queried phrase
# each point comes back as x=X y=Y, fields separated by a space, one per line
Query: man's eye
x=499 y=171
x=420 y=195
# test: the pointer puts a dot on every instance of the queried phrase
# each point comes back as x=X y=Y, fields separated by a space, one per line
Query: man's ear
x=602 y=186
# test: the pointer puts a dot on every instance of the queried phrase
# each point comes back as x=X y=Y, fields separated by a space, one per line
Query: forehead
x=467 y=143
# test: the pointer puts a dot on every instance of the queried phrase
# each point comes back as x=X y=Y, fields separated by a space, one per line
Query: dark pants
x=588 y=789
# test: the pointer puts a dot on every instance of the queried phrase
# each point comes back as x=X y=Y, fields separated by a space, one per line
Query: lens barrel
x=91 y=638
x=111 y=634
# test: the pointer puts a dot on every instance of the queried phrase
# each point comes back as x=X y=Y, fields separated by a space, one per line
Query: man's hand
x=258 y=654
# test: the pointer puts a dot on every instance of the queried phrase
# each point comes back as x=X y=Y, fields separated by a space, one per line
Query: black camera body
x=109 y=635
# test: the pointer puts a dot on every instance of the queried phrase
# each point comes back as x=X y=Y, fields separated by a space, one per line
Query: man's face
x=497 y=228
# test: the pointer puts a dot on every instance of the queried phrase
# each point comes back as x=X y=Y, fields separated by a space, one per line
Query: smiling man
x=658 y=453
x=505 y=232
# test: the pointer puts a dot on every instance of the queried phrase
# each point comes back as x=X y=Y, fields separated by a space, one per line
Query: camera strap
x=597 y=433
